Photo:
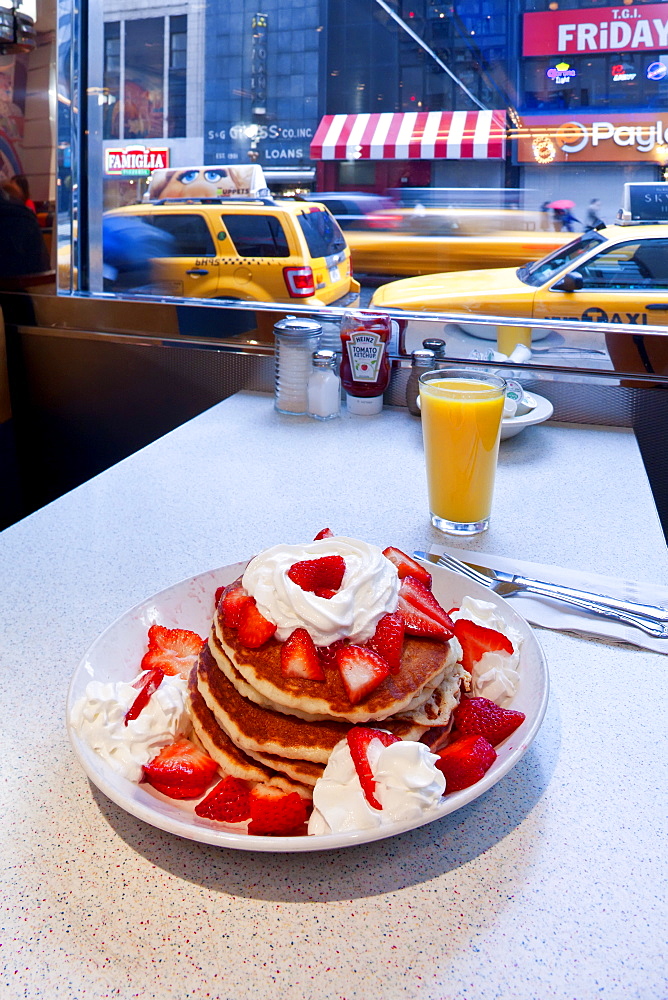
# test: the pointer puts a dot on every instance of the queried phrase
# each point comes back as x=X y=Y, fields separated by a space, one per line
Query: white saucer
x=543 y=410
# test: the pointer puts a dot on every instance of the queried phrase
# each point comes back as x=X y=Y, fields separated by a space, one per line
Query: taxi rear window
x=322 y=233
x=257 y=235
x=190 y=234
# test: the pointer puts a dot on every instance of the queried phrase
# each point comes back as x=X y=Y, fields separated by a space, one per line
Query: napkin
x=563 y=617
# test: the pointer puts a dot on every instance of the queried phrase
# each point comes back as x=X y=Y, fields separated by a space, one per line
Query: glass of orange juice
x=461 y=426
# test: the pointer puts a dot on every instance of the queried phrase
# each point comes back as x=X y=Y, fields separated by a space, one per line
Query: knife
x=653 y=620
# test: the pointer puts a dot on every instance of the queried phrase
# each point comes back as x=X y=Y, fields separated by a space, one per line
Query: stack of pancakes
x=261 y=726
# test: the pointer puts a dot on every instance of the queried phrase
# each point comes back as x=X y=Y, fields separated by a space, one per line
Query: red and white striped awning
x=413 y=135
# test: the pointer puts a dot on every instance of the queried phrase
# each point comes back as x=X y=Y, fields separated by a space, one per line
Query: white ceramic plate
x=116 y=654
x=513 y=425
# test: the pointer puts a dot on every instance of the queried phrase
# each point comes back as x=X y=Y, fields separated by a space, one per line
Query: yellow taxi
x=250 y=249
x=425 y=240
x=617 y=274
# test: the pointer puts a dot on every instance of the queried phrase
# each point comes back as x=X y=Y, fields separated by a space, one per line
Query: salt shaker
x=296 y=339
x=423 y=361
x=324 y=387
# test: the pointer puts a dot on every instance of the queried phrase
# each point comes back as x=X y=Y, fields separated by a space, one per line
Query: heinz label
x=365 y=353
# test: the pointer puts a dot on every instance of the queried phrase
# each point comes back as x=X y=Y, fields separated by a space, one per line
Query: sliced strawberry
x=327 y=654
x=358 y=743
x=388 y=640
x=422 y=625
x=476 y=640
x=465 y=761
x=325 y=533
x=235 y=599
x=275 y=812
x=173 y=650
x=422 y=600
x=318 y=574
x=181 y=770
x=482 y=717
x=254 y=628
x=325 y=592
x=407 y=566
x=299 y=657
x=150 y=683
x=228 y=802
x=217 y=596
x=361 y=671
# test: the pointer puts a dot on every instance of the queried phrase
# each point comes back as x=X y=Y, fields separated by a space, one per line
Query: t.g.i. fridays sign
x=606 y=29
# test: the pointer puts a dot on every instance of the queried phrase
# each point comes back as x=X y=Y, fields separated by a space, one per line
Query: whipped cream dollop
x=407 y=785
x=98 y=718
x=369 y=590
x=495 y=675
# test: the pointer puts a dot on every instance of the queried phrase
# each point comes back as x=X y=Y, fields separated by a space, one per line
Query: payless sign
x=606 y=29
x=600 y=138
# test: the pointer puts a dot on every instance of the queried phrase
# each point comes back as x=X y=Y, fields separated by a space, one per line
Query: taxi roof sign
x=644 y=203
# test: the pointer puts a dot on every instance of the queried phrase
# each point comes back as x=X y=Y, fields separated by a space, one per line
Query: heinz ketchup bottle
x=365 y=363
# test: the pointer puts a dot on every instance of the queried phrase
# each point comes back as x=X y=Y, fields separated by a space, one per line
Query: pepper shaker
x=423 y=361
x=295 y=340
x=436 y=345
x=324 y=387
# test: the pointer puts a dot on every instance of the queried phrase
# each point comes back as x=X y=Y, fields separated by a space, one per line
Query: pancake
x=423 y=665
x=253 y=728
x=230 y=759
x=443 y=700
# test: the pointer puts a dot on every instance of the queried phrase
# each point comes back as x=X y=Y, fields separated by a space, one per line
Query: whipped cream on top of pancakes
x=407 y=784
x=369 y=590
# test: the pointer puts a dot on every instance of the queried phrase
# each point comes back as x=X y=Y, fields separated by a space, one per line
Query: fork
x=652 y=620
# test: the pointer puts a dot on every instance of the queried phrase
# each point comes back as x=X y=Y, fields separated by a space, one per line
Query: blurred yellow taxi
x=418 y=240
x=248 y=249
x=618 y=274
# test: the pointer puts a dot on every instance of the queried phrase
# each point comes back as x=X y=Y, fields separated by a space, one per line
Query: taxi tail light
x=299 y=281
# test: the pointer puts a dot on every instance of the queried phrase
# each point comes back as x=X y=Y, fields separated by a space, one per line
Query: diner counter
x=550 y=885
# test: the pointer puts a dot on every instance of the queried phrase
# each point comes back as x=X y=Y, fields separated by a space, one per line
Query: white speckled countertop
x=551 y=885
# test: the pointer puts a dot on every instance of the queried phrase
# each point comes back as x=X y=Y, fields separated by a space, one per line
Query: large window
x=151 y=79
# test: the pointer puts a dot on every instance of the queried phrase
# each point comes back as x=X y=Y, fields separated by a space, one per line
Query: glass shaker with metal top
x=423 y=361
x=296 y=339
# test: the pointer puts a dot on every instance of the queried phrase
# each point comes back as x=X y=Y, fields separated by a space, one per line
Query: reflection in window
x=144 y=71
x=112 y=78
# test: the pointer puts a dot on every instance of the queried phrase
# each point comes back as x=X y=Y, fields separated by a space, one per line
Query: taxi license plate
x=334 y=274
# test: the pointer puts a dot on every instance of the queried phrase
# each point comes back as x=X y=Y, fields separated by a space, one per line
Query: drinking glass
x=461 y=426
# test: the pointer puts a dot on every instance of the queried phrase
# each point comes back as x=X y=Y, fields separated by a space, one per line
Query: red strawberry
x=407 y=566
x=181 y=770
x=149 y=683
x=325 y=592
x=325 y=533
x=299 y=657
x=418 y=623
x=327 y=654
x=361 y=670
x=482 y=717
x=217 y=596
x=476 y=640
x=358 y=743
x=228 y=802
x=173 y=650
x=388 y=640
x=275 y=812
x=317 y=574
x=422 y=600
x=254 y=628
x=465 y=761
x=235 y=599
